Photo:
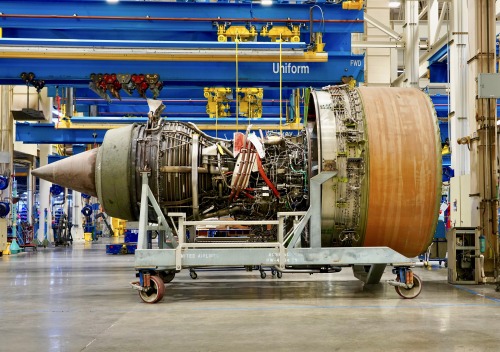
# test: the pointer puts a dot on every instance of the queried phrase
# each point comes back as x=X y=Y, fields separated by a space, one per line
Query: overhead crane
x=81 y=38
x=185 y=45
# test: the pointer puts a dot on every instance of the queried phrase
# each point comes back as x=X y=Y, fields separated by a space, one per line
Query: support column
x=29 y=194
x=69 y=102
x=44 y=195
x=412 y=48
x=459 y=125
x=378 y=60
x=76 y=217
x=6 y=139
x=394 y=65
x=482 y=124
x=432 y=21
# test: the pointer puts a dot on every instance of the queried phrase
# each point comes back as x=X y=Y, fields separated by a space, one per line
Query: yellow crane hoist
x=217 y=101
x=250 y=102
x=284 y=33
x=243 y=33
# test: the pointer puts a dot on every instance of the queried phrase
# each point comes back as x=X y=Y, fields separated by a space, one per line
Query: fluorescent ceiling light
x=112 y=1
x=394 y=4
x=266 y=2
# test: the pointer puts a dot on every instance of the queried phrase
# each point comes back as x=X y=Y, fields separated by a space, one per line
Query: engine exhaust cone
x=76 y=172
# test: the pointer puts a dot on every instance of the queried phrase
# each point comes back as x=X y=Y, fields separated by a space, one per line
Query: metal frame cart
x=158 y=266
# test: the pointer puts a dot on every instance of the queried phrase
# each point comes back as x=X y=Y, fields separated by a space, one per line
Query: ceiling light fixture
x=266 y=2
x=394 y=4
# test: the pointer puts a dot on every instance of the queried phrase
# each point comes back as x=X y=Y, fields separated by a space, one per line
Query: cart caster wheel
x=155 y=292
x=273 y=272
x=193 y=275
x=263 y=274
x=410 y=293
x=166 y=276
x=279 y=274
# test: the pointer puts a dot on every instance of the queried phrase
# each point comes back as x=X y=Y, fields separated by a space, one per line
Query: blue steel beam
x=46 y=133
x=166 y=16
x=438 y=66
x=166 y=94
x=139 y=35
x=176 y=111
x=172 y=111
x=265 y=74
x=441 y=104
x=160 y=21
x=198 y=120
x=121 y=107
x=439 y=55
x=179 y=103
x=187 y=100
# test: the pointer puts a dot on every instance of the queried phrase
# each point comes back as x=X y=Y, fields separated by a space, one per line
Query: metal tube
x=182 y=169
x=232 y=245
x=231 y=222
x=151 y=54
x=69 y=102
x=334 y=269
x=174 y=19
x=423 y=12
x=142 y=241
x=390 y=32
x=311 y=25
x=369 y=44
x=433 y=20
x=29 y=197
x=440 y=22
x=412 y=41
x=226 y=149
x=459 y=123
x=43 y=194
x=194 y=176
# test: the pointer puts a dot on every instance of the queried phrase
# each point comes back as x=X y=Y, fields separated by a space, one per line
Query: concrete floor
x=78 y=299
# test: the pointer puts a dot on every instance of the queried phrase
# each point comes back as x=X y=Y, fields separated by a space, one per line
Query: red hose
x=264 y=177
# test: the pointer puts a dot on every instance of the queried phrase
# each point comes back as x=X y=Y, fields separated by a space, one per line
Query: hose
x=265 y=178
